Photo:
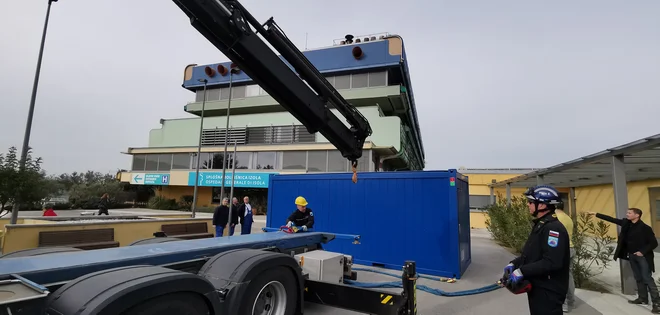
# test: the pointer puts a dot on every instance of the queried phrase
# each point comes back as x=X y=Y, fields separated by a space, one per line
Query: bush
x=162 y=203
x=186 y=202
x=509 y=225
x=593 y=249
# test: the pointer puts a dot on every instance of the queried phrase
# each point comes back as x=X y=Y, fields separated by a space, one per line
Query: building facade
x=269 y=140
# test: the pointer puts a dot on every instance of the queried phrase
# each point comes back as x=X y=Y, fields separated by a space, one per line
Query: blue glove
x=516 y=276
x=508 y=269
x=304 y=228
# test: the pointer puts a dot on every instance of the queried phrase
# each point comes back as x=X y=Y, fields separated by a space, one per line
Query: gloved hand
x=516 y=276
x=289 y=224
x=508 y=269
x=304 y=228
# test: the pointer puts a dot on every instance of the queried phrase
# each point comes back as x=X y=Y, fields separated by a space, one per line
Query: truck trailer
x=268 y=273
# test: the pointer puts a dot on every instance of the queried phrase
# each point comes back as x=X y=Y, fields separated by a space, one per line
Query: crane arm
x=307 y=94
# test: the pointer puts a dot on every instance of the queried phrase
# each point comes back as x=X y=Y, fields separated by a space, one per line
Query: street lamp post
x=28 y=125
x=199 y=150
x=231 y=191
x=224 y=156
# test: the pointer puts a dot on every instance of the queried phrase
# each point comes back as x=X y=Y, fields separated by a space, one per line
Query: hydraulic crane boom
x=305 y=94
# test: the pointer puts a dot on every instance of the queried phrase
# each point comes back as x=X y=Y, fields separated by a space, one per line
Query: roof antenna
x=306 y=41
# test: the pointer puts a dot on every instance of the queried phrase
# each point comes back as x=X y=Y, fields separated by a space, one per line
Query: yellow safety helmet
x=300 y=201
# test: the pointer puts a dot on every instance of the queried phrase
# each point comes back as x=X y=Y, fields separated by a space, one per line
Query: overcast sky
x=498 y=83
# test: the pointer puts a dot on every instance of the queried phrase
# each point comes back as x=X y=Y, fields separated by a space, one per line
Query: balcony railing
x=258 y=135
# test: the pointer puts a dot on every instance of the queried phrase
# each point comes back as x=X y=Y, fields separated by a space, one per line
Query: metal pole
x=199 y=150
x=224 y=156
x=28 y=125
x=231 y=191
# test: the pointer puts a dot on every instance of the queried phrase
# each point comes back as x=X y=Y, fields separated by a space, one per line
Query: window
x=294 y=160
x=265 y=160
x=331 y=80
x=152 y=162
x=317 y=161
x=181 y=161
x=139 y=160
x=224 y=93
x=199 y=95
x=205 y=160
x=251 y=90
x=336 y=162
x=238 y=91
x=378 y=78
x=479 y=201
x=364 y=163
x=243 y=160
x=360 y=80
x=343 y=82
x=217 y=160
x=212 y=95
x=164 y=162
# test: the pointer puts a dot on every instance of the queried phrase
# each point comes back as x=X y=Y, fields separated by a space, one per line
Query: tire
x=39 y=251
x=155 y=240
x=273 y=282
x=180 y=303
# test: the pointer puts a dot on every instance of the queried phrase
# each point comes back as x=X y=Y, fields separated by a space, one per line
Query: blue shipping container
x=419 y=215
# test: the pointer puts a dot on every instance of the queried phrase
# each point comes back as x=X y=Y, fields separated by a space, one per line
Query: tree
x=29 y=184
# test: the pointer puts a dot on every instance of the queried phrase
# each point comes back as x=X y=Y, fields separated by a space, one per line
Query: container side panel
x=399 y=215
x=465 y=253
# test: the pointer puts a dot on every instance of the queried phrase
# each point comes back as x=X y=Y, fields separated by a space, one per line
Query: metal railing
x=258 y=135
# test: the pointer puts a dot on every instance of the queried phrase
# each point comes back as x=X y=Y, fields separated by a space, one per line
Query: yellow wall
x=25 y=236
x=478 y=220
x=601 y=199
x=479 y=183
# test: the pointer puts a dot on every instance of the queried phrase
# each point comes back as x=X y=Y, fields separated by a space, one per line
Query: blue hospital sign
x=241 y=180
x=150 y=179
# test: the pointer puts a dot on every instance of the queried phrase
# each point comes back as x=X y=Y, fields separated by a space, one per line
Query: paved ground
x=488 y=260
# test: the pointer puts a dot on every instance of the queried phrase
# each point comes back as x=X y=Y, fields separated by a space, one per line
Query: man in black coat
x=545 y=258
x=636 y=243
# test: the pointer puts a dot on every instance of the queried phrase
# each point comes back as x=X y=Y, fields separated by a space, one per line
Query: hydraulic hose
x=399 y=284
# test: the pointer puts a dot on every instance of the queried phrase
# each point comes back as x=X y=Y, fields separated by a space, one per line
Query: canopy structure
x=640 y=160
x=635 y=161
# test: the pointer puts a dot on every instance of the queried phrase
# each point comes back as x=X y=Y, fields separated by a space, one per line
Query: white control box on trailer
x=322 y=266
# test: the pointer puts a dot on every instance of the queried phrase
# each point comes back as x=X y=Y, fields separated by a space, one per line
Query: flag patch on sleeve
x=554 y=233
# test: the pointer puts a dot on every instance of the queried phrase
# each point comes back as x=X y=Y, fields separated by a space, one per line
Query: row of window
x=310 y=161
x=340 y=82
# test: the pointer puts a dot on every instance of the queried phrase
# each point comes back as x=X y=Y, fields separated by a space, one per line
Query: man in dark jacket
x=302 y=217
x=545 y=258
x=246 y=216
x=636 y=243
x=221 y=218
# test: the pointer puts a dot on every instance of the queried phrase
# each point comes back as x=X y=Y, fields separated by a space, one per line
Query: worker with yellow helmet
x=302 y=217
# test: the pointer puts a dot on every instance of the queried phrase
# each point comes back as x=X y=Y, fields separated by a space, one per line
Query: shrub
x=509 y=225
x=593 y=249
x=186 y=202
x=62 y=206
x=162 y=203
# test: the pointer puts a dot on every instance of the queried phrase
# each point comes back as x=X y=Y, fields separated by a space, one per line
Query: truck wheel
x=155 y=240
x=271 y=292
x=181 y=303
x=256 y=282
x=39 y=251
